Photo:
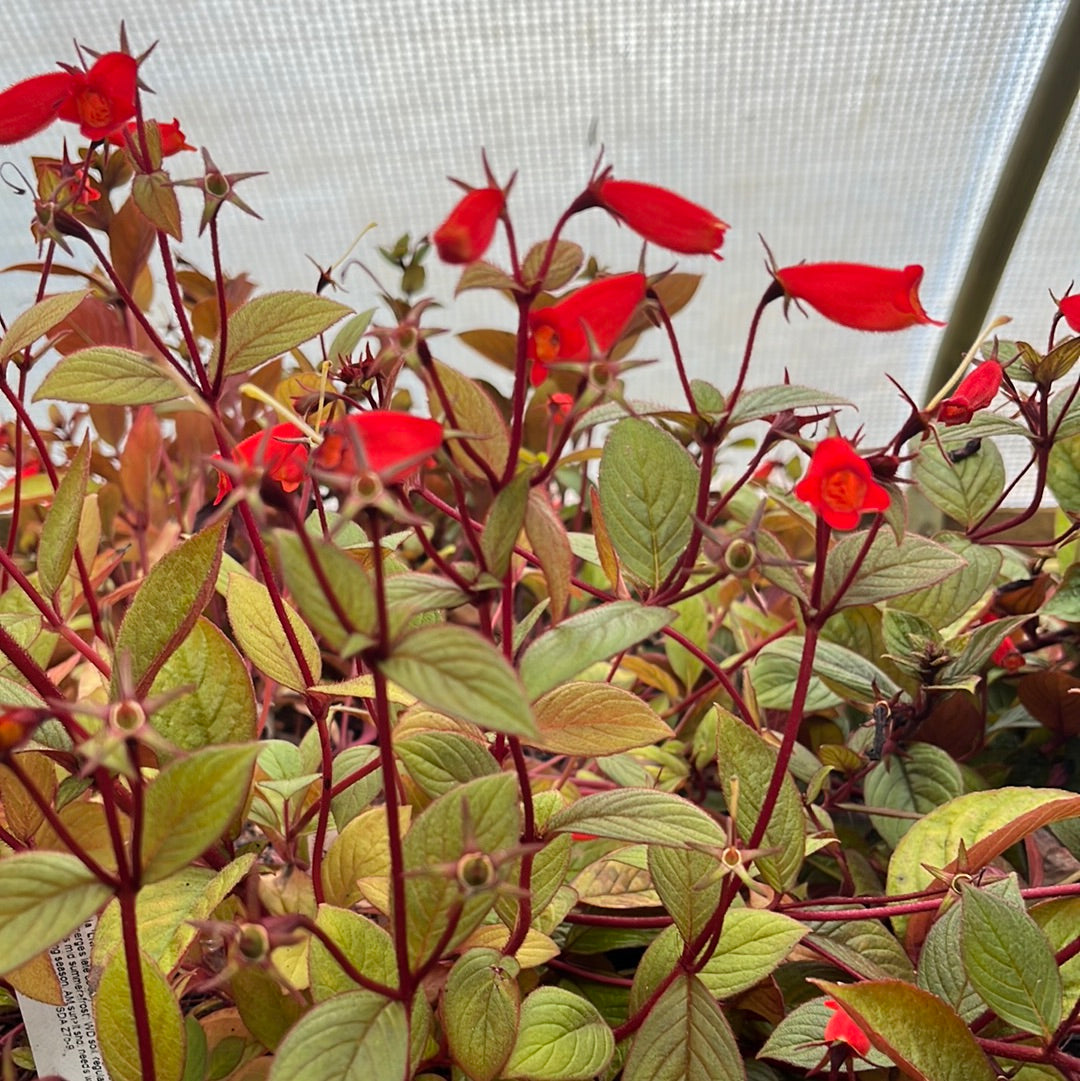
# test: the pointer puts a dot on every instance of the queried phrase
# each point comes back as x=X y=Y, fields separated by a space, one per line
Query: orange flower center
x=843 y=490
x=94 y=109
x=546 y=343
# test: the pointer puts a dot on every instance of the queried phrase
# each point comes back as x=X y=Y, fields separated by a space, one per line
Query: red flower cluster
x=99 y=100
x=662 y=217
x=839 y=485
x=857 y=296
x=470 y=226
x=173 y=139
x=586 y=323
x=976 y=391
x=389 y=443
x=840 y=1027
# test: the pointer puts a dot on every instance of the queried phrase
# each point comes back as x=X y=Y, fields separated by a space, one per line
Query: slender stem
x=528 y=838
x=676 y=352
x=717 y=671
x=133 y=958
x=181 y=312
x=223 y=311
x=773 y=292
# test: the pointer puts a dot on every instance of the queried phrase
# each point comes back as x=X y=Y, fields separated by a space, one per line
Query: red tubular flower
x=1070 y=309
x=281 y=451
x=857 y=296
x=976 y=391
x=839 y=485
x=386 y=442
x=467 y=232
x=663 y=218
x=173 y=139
x=840 y=1027
x=601 y=310
x=98 y=100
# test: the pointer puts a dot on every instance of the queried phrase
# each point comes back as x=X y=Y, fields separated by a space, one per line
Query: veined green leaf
x=109 y=375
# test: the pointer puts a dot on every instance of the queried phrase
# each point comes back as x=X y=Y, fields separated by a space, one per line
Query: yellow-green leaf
x=589 y=719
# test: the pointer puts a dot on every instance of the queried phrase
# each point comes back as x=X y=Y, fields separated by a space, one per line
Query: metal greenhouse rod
x=1047 y=111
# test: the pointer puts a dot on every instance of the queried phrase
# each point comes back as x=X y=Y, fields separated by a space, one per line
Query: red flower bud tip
x=281 y=451
x=384 y=441
x=173 y=139
x=976 y=391
x=663 y=218
x=857 y=296
x=467 y=232
x=98 y=100
x=600 y=312
x=1070 y=309
x=839 y=485
x=840 y=1027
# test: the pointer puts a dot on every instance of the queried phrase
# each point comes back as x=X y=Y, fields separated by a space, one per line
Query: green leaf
x=476 y=414
x=44 y=896
x=922 y=778
x=593 y=635
x=761 y=402
x=109 y=375
x=155 y=197
x=28 y=326
x=964 y=490
x=1058 y=919
x=457 y=672
x=1010 y=963
x=363 y=942
x=347 y=581
x=922 y=1035
x=218 y=703
x=349 y=802
x=440 y=761
x=841 y=670
x=261 y=637
x=1063 y=473
x=797 y=1039
x=742 y=755
x=864 y=947
x=266 y=1012
x=688 y=885
x=356 y=1036
x=566 y=261
x=594 y=718
x=273 y=324
x=480 y=1009
x=561 y=1037
x=115 y=1021
x=548 y=540
x=773 y=673
x=693 y=623
x=348 y=337
x=947 y=600
x=473 y=819
x=941 y=967
x=165 y=608
x=888 y=570
x=648 y=485
x=505 y=521
x=60 y=532
x=484 y=275
x=685 y=1037
x=641 y=815
x=189 y=806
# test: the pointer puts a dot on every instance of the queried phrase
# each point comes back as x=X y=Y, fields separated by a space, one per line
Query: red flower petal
x=281 y=451
x=858 y=296
x=467 y=232
x=839 y=485
x=601 y=310
x=1070 y=308
x=387 y=442
x=664 y=218
x=31 y=105
x=173 y=139
x=841 y=1027
x=104 y=98
x=976 y=391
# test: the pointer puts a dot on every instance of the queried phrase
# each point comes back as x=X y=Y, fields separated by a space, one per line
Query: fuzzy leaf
x=480 y=1007
x=593 y=635
x=648 y=484
x=941 y=967
x=505 y=520
x=950 y=598
x=761 y=402
x=566 y=261
x=356 y=1036
x=456 y=672
x=923 y=778
x=44 y=896
x=109 y=375
x=594 y=718
x=642 y=815
x=561 y=1037
x=60 y=532
x=189 y=806
x=1063 y=473
x=28 y=326
x=169 y=601
x=361 y=940
x=964 y=490
x=548 y=540
x=476 y=414
x=273 y=324
x=155 y=197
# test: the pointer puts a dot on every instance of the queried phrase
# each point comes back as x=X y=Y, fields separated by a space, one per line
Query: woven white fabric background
x=839 y=129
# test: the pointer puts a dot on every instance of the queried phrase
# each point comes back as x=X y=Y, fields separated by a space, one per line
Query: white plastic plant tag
x=63 y=1038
